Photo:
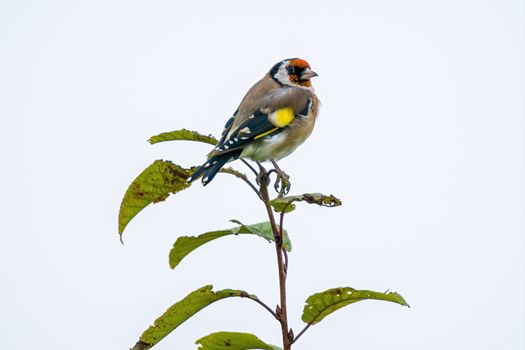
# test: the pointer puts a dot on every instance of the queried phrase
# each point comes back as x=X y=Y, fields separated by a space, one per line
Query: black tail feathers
x=209 y=169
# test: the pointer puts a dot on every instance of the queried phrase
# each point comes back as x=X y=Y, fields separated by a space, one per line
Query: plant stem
x=301 y=333
x=277 y=232
x=242 y=177
x=260 y=302
x=281 y=224
x=305 y=329
x=249 y=166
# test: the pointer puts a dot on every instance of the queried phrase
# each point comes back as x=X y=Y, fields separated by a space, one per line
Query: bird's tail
x=209 y=169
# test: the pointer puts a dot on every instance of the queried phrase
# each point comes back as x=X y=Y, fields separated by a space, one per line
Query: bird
x=276 y=115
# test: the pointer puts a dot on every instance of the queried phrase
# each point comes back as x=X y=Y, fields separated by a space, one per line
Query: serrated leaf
x=186 y=244
x=179 y=312
x=183 y=134
x=320 y=305
x=153 y=185
x=232 y=341
x=286 y=203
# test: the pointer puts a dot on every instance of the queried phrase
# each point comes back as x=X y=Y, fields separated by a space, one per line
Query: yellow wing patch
x=282 y=117
x=265 y=133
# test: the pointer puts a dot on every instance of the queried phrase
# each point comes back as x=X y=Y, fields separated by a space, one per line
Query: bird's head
x=293 y=72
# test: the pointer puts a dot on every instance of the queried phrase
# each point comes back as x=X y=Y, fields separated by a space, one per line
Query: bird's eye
x=291 y=70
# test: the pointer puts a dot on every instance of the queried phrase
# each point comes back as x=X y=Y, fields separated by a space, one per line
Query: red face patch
x=298 y=62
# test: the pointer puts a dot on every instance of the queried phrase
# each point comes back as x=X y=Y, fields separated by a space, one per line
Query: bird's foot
x=262 y=178
x=282 y=182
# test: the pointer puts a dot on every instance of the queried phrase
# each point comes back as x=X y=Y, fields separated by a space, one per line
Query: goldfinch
x=275 y=116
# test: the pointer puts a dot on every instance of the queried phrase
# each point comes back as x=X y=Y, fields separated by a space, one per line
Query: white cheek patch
x=282 y=75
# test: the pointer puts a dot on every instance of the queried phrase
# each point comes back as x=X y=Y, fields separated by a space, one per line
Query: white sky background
x=421 y=134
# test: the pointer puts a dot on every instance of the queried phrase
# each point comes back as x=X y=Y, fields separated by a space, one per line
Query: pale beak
x=307 y=74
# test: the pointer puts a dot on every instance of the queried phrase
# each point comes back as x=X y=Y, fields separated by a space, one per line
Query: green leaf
x=232 y=341
x=282 y=204
x=182 y=134
x=153 y=185
x=179 y=312
x=186 y=244
x=320 y=305
x=264 y=230
x=286 y=203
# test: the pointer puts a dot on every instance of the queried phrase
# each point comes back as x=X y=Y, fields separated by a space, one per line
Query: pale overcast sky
x=421 y=134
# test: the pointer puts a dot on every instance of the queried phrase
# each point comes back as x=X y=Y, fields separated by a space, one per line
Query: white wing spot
x=235 y=139
x=245 y=130
x=207 y=164
x=230 y=142
x=244 y=138
x=226 y=147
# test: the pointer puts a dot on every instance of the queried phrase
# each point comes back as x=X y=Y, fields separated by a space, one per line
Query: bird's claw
x=262 y=178
x=259 y=178
x=282 y=183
